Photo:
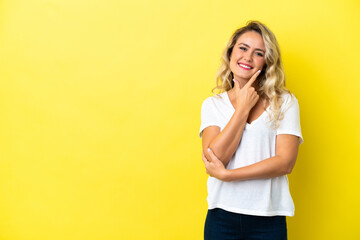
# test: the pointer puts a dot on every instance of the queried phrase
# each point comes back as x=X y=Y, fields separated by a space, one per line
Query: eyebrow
x=249 y=47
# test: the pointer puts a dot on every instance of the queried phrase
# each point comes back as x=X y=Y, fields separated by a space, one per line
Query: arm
x=281 y=164
x=225 y=143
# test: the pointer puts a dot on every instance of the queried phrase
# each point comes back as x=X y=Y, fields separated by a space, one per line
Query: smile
x=245 y=67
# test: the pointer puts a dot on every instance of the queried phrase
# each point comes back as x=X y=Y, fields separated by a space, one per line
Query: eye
x=243 y=48
x=259 y=54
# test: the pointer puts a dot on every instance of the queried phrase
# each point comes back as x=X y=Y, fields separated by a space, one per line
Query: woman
x=250 y=136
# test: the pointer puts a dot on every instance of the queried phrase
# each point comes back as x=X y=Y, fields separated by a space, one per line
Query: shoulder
x=289 y=100
x=288 y=97
x=215 y=99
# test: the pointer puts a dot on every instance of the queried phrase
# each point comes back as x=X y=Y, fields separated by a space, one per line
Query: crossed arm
x=282 y=163
x=224 y=143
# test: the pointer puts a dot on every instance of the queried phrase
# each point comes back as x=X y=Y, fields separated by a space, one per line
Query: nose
x=248 y=56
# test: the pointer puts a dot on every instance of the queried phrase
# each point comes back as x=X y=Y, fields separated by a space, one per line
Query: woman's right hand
x=246 y=97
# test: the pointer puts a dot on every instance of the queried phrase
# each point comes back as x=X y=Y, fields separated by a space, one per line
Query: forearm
x=268 y=168
x=227 y=141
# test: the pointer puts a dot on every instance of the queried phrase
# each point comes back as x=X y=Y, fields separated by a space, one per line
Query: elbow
x=289 y=167
x=221 y=156
x=288 y=170
x=286 y=165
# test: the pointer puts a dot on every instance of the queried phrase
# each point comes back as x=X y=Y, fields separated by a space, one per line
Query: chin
x=245 y=76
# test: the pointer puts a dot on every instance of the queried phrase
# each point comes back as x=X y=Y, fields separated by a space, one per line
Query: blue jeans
x=224 y=225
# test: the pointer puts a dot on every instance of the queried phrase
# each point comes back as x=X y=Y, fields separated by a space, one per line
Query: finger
x=204 y=157
x=205 y=160
x=212 y=155
x=252 y=79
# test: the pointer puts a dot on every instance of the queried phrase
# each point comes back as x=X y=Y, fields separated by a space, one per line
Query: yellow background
x=100 y=112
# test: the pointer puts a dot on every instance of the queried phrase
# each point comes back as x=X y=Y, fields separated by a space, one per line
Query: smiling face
x=248 y=56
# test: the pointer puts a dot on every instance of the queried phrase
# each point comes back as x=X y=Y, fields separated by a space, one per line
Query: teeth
x=245 y=66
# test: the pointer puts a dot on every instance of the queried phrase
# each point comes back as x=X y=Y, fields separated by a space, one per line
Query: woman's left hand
x=214 y=167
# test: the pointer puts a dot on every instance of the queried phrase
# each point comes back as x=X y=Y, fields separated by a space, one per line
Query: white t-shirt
x=262 y=197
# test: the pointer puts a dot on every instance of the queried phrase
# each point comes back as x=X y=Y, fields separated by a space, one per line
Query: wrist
x=243 y=111
x=227 y=176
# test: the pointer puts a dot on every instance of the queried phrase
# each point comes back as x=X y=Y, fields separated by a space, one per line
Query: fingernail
x=259 y=71
x=209 y=149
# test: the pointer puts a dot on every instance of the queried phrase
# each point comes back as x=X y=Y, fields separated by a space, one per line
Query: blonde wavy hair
x=271 y=80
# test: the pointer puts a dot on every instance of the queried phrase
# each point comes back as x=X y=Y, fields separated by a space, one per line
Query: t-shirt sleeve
x=208 y=115
x=290 y=124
